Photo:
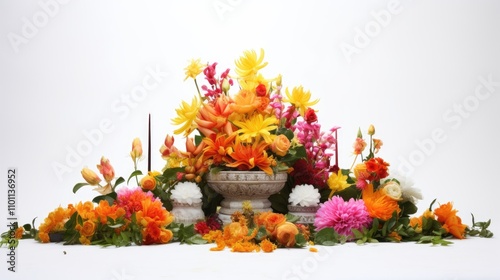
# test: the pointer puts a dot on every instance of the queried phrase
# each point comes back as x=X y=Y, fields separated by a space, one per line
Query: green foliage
x=186 y=234
x=479 y=229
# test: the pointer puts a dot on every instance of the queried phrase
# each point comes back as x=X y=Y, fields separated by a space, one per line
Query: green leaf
x=326 y=236
x=111 y=197
x=79 y=186
x=133 y=174
x=300 y=240
x=291 y=218
x=118 y=181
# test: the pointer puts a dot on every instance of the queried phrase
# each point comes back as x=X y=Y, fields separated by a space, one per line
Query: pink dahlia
x=343 y=216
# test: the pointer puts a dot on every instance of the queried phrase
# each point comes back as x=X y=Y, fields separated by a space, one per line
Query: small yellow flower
x=337 y=182
x=249 y=63
x=193 y=69
x=256 y=127
x=186 y=115
x=300 y=99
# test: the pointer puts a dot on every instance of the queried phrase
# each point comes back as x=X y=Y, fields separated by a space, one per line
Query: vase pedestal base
x=232 y=205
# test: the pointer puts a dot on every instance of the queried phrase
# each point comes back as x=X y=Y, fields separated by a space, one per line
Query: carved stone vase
x=239 y=186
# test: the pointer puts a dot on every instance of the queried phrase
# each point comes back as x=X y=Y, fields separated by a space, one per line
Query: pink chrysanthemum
x=131 y=199
x=343 y=216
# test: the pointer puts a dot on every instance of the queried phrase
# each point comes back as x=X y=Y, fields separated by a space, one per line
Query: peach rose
x=280 y=145
x=285 y=234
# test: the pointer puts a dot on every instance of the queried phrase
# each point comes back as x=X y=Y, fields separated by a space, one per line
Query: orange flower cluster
x=92 y=221
x=446 y=216
x=54 y=222
x=239 y=237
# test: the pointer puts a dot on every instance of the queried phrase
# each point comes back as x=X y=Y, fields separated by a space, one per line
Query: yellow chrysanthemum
x=337 y=182
x=193 y=69
x=256 y=127
x=186 y=115
x=249 y=63
x=300 y=99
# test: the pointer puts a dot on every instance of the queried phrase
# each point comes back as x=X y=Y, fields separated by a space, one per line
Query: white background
x=65 y=68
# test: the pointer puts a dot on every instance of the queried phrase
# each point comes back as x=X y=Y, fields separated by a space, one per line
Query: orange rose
x=148 y=182
x=285 y=234
x=165 y=236
x=280 y=145
x=87 y=228
x=270 y=221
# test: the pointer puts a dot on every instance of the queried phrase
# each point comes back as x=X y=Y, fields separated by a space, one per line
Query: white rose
x=304 y=195
x=186 y=192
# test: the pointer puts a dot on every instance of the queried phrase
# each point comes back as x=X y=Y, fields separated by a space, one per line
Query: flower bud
x=136 y=152
x=371 y=130
x=278 y=80
x=90 y=176
x=225 y=85
x=169 y=141
x=106 y=169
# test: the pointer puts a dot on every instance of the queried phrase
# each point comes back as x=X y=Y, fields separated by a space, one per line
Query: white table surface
x=473 y=258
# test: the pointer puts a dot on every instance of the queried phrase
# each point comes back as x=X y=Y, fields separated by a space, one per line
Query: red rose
x=261 y=90
x=310 y=116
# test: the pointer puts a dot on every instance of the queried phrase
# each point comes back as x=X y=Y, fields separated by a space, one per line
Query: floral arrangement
x=136 y=217
x=255 y=128
x=367 y=204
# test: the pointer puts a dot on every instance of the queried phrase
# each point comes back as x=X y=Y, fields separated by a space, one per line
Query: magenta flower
x=343 y=216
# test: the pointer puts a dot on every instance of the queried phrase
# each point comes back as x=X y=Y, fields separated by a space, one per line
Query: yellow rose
x=280 y=145
x=148 y=182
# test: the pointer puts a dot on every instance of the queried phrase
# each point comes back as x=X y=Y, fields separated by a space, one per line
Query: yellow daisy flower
x=193 y=69
x=300 y=99
x=337 y=182
x=256 y=127
x=249 y=63
x=186 y=115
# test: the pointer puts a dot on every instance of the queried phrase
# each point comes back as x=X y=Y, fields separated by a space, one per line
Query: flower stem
x=198 y=89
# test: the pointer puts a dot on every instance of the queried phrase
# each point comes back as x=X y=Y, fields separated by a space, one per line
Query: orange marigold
x=444 y=212
x=454 y=226
x=18 y=234
x=104 y=211
x=267 y=246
